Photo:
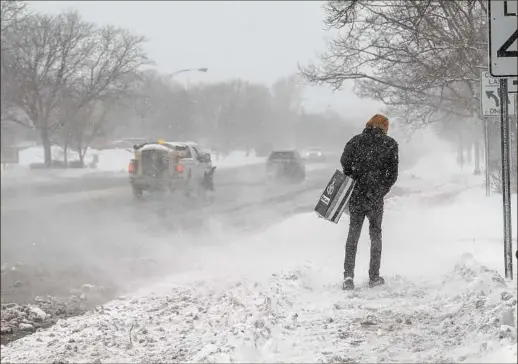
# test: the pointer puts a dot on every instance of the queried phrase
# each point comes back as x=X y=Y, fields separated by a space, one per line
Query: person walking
x=371 y=159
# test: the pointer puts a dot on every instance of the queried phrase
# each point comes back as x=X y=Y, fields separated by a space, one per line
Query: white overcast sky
x=253 y=40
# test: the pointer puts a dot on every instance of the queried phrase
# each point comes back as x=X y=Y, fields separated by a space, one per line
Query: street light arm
x=188 y=70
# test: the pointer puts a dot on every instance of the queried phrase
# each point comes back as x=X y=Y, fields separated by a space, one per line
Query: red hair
x=379 y=121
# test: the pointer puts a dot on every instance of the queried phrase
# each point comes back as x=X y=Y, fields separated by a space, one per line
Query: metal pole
x=511 y=155
x=506 y=178
x=486 y=156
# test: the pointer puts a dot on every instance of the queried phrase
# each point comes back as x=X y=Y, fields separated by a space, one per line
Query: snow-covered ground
x=236 y=159
x=116 y=160
x=276 y=297
x=109 y=161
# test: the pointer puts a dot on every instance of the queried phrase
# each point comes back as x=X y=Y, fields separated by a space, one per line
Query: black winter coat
x=371 y=159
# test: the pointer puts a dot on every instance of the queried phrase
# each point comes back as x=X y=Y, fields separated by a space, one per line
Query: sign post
x=503 y=63
x=486 y=155
x=506 y=181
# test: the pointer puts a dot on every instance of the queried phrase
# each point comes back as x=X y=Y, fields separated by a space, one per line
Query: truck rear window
x=185 y=152
x=282 y=155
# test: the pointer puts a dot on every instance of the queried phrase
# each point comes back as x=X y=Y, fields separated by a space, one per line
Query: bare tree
x=241 y=114
x=328 y=129
x=106 y=79
x=162 y=107
x=11 y=13
x=47 y=52
x=112 y=65
x=287 y=102
x=256 y=124
x=86 y=125
x=418 y=57
x=226 y=115
x=217 y=107
x=63 y=57
x=287 y=93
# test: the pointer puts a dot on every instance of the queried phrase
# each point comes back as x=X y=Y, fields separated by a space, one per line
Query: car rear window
x=282 y=155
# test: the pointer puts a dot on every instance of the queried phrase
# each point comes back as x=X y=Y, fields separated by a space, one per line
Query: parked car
x=314 y=155
x=286 y=165
x=170 y=166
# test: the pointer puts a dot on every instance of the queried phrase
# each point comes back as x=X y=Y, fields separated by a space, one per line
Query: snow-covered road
x=54 y=244
x=276 y=296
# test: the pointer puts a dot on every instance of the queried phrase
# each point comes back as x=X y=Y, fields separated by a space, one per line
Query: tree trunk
x=47 y=151
x=81 y=151
x=460 y=152
x=65 y=154
x=82 y=157
x=469 y=153
x=478 y=170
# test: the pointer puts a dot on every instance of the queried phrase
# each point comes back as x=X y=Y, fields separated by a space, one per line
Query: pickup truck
x=170 y=166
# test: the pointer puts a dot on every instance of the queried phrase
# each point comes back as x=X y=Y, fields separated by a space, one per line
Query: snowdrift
x=295 y=315
x=276 y=297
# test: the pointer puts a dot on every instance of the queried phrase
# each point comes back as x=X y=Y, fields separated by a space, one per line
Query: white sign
x=503 y=38
x=490 y=96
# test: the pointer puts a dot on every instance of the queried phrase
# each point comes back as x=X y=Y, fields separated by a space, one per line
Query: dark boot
x=348 y=284
x=374 y=282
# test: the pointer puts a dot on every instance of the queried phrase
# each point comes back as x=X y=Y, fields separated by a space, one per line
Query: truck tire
x=189 y=188
x=137 y=192
x=208 y=180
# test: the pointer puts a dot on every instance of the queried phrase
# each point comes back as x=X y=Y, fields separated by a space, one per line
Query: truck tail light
x=131 y=167
x=179 y=168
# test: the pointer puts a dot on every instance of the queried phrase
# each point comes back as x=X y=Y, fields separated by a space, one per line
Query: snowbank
x=109 y=160
x=35 y=154
x=22 y=174
x=277 y=297
x=236 y=159
x=295 y=315
x=117 y=159
x=114 y=160
x=46 y=311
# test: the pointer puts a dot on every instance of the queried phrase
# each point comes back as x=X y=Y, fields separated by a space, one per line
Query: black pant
x=357 y=214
